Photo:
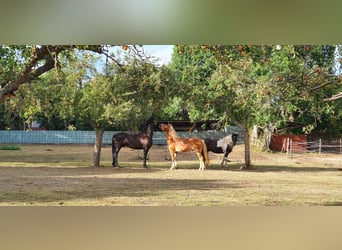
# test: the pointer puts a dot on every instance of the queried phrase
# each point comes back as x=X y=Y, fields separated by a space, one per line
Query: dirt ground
x=56 y=175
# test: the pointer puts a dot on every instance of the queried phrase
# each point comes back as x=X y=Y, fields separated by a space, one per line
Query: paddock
x=60 y=175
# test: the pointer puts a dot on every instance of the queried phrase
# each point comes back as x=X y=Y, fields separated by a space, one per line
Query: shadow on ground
x=44 y=184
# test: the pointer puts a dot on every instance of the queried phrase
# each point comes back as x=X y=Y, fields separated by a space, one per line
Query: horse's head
x=168 y=128
x=147 y=128
x=150 y=120
x=164 y=127
x=234 y=137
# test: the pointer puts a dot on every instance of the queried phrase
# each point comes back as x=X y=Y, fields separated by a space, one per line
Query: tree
x=227 y=91
x=246 y=84
x=192 y=66
x=102 y=104
x=23 y=64
x=66 y=89
x=304 y=76
x=50 y=98
x=235 y=94
x=126 y=94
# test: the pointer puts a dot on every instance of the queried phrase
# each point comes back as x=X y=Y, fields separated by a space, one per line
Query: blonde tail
x=205 y=154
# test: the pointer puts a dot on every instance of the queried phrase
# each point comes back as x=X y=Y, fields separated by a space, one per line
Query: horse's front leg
x=173 y=160
x=145 y=157
x=114 y=154
x=224 y=160
x=225 y=157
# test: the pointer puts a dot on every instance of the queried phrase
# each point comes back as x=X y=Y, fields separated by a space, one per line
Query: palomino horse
x=177 y=145
x=224 y=145
x=141 y=140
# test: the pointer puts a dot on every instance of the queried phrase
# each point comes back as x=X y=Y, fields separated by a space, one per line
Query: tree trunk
x=97 y=147
x=247 y=148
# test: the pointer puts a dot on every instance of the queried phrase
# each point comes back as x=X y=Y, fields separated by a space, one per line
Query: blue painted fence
x=88 y=137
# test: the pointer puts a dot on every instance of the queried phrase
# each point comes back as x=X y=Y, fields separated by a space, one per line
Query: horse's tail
x=205 y=154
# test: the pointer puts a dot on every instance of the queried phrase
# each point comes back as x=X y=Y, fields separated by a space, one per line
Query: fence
x=48 y=137
x=325 y=146
x=293 y=146
x=88 y=137
x=286 y=142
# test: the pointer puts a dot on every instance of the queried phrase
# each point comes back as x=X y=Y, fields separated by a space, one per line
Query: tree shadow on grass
x=336 y=203
x=294 y=169
x=58 y=185
x=271 y=168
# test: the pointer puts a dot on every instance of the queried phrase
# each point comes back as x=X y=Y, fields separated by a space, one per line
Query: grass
x=47 y=175
x=9 y=147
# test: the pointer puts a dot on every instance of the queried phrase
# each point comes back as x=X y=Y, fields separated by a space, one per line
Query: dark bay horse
x=224 y=145
x=141 y=140
x=177 y=145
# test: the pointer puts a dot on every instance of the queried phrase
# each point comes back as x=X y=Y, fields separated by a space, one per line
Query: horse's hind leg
x=201 y=166
x=115 y=152
x=202 y=161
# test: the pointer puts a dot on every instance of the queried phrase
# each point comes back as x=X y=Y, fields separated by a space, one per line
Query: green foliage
x=247 y=85
x=269 y=83
x=193 y=66
x=76 y=95
x=9 y=147
x=11 y=59
x=242 y=84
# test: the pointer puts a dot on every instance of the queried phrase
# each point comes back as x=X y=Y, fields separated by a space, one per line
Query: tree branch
x=111 y=57
x=334 y=97
x=33 y=68
x=30 y=70
x=321 y=86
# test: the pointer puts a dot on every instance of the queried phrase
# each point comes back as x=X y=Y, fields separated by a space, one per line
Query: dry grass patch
x=60 y=175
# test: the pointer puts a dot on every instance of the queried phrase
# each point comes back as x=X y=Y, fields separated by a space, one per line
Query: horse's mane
x=148 y=128
x=228 y=137
x=228 y=140
x=173 y=132
x=224 y=141
x=143 y=130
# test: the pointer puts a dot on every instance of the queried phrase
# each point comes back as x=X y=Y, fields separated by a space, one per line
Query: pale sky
x=163 y=52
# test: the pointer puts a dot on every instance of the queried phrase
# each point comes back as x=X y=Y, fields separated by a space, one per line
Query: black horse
x=224 y=145
x=141 y=140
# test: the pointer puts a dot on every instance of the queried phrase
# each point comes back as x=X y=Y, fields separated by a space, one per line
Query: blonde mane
x=173 y=132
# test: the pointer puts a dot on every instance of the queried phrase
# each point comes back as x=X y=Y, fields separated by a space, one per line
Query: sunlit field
x=51 y=175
